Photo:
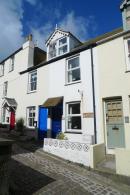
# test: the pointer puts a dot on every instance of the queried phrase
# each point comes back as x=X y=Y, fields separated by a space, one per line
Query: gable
x=57 y=34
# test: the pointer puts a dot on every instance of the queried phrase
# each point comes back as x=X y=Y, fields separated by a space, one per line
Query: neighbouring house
x=114 y=91
x=13 y=88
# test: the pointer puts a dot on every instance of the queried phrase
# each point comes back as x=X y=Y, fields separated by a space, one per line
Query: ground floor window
x=31 y=113
x=73 y=119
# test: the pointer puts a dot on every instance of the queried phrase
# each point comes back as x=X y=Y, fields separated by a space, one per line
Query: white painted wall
x=51 y=82
x=73 y=151
x=113 y=80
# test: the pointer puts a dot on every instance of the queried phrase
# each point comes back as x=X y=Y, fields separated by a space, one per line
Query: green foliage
x=61 y=136
x=20 y=125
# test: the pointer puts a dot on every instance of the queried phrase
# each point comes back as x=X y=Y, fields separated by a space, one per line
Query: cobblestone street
x=42 y=174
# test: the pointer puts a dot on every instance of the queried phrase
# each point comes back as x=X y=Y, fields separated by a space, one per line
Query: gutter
x=73 y=52
x=124 y=33
x=93 y=93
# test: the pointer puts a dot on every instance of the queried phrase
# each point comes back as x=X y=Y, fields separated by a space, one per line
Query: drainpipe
x=93 y=94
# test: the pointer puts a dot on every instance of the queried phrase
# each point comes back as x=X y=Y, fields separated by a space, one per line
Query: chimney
x=29 y=38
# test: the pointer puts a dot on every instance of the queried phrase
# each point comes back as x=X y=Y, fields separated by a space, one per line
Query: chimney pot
x=29 y=37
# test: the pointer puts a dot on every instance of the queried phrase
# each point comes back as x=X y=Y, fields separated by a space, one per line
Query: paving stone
x=41 y=175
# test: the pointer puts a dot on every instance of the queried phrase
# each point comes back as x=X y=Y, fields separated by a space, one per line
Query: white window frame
x=68 y=70
x=30 y=82
x=33 y=110
x=55 y=53
x=5 y=88
x=127 y=54
x=11 y=64
x=63 y=45
x=2 y=69
x=73 y=115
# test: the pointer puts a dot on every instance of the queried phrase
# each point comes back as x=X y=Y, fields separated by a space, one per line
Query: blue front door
x=56 y=120
x=42 y=125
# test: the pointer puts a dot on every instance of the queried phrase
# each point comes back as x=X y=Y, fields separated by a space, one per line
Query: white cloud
x=41 y=34
x=32 y=2
x=77 y=25
x=11 y=27
x=11 y=35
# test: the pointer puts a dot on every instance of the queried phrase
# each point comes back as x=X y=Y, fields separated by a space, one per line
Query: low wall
x=122 y=161
x=73 y=151
x=97 y=154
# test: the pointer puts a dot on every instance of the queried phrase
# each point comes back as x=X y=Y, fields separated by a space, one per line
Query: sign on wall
x=88 y=115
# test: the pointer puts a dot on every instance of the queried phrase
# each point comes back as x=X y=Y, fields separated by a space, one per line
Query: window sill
x=1 y=75
x=29 y=92
x=31 y=128
x=10 y=71
x=127 y=71
x=73 y=83
x=73 y=132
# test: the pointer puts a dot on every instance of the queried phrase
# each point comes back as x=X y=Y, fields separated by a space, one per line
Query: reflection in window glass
x=73 y=70
x=73 y=116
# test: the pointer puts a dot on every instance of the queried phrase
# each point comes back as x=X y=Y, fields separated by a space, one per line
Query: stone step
x=108 y=164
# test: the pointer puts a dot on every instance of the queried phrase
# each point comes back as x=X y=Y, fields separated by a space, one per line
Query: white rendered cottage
x=65 y=96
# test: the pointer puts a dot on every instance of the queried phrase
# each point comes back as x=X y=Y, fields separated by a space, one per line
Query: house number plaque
x=88 y=115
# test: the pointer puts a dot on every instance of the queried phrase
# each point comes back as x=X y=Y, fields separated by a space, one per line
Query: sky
x=86 y=19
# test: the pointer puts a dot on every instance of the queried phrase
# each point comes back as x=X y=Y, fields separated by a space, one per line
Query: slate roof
x=11 y=101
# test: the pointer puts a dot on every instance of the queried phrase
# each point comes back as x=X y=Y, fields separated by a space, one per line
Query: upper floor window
x=73 y=70
x=58 y=47
x=11 y=64
x=127 y=52
x=62 y=46
x=32 y=85
x=5 y=87
x=52 y=50
x=1 y=69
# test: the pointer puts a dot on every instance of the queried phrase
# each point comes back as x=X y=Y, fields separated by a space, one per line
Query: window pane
x=128 y=42
x=52 y=46
x=73 y=63
x=128 y=12
x=74 y=75
x=62 y=41
x=52 y=50
x=33 y=81
x=74 y=108
x=63 y=50
x=31 y=116
x=74 y=122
